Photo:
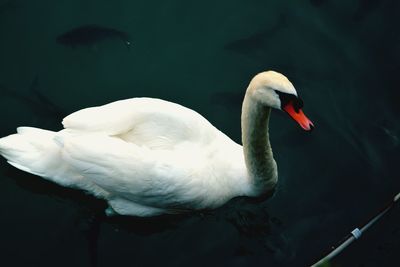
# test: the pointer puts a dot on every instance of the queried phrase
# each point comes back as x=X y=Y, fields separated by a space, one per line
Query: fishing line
x=356 y=233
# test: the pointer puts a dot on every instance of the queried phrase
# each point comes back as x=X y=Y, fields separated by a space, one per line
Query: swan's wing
x=151 y=122
x=141 y=175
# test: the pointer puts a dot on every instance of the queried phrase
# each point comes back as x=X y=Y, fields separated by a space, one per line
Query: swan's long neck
x=257 y=150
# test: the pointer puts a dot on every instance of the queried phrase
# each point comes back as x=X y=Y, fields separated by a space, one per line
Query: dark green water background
x=342 y=56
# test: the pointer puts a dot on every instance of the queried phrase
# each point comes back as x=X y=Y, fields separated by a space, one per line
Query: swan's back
x=150 y=122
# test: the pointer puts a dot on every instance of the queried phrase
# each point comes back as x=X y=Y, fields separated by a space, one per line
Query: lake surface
x=343 y=57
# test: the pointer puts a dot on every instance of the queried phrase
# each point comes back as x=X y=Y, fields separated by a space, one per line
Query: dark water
x=342 y=56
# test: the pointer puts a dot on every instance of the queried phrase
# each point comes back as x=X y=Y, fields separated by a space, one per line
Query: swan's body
x=147 y=156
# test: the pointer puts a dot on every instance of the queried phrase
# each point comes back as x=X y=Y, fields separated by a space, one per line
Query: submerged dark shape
x=36 y=100
x=227 y=99
x=317 y=3
x=7 y=5
x=259 y=40
x=90 y=35
x=365 y=8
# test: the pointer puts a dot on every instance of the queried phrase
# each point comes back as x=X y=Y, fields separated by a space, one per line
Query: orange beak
x=298 y=116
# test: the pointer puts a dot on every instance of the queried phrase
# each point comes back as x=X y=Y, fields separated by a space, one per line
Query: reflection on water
x=342 y=56
x=245 y=221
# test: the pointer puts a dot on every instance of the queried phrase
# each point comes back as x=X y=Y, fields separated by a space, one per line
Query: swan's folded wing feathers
x=113 y=118
x=124 y=170
x=150 y=122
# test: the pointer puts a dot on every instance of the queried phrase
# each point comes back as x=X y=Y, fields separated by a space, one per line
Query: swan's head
x=274 y=90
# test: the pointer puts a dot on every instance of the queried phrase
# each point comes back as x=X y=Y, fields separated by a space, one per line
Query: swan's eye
x=285 y=98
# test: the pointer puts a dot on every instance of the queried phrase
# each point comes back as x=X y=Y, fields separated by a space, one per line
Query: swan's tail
x=32 y=150
x=39 y=152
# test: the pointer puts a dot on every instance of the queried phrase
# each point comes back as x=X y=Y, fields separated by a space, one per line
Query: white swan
x=147 y=156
